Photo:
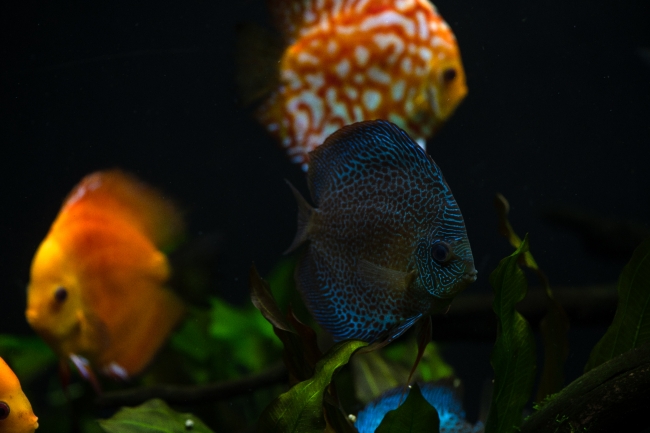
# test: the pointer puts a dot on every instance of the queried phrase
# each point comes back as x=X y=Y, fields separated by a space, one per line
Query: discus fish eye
x=61 y=294
x=4 y=410
x=440 y=252
x=448 y=75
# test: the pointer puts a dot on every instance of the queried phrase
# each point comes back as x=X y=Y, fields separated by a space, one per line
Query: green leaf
x=631 y=325
x=554 y=326
x=301 y=408
x=513 y=357
x=415 y=415
x=27 y=355
x=152 y=416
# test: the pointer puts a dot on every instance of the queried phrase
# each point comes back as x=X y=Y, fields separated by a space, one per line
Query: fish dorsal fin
x=304 y=215
x=385 y=278
x=290 y=17
x=337 y=162
x=118 y=193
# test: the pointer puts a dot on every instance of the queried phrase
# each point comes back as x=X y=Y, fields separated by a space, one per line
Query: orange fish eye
x=448 y=75
x=61 y=294
x=4 y=410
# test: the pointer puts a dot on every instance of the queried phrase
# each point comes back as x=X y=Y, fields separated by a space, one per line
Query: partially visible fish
x=387 y=242
x=16 y=414
x=351 y=60
x=97 y=292
x=441 y=397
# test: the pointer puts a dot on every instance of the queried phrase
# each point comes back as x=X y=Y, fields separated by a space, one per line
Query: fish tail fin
x=305 y=212
x=258 y=52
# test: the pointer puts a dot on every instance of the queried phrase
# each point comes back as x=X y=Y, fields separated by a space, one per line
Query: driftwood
x=176 y=394
x=471 y=317
x=614 y=396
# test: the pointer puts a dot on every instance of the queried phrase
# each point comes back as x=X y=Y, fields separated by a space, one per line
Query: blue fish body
x=387 y=242
x=443 y=398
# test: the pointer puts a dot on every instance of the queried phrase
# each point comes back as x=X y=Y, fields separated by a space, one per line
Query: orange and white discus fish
x=97 y=292
x=352 y=60
x=16 y=414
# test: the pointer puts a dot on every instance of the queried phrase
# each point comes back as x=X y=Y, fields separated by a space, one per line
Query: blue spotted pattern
x=387 y=242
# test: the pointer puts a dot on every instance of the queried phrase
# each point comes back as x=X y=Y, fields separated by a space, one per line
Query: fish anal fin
x=258 y=52
x=305 y=212
x=380 y=276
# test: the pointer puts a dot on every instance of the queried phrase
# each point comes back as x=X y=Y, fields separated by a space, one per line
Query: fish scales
x=355 y=60
x=381 y=205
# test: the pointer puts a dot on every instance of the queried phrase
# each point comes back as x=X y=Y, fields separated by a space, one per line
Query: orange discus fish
x=16 y=414
x=97 y=290
x=353 y=60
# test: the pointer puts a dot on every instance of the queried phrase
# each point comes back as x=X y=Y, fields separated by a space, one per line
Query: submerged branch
x=177 y=394
x=608 y=398
x=471 y=317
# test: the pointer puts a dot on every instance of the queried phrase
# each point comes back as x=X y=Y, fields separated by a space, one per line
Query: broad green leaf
x=223 y=342
x=27 y=355
x=513 y=357
x=415 y=415
x=247 y=335
x=152 y=416
x=554 y=326
x=300 y=409
x=631 y=325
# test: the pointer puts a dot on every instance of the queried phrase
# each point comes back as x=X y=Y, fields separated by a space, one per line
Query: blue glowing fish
x=443 y=398
x=387 y=242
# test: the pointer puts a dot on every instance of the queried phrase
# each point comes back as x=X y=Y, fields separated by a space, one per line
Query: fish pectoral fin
x=401 y=328
x=384 y=277
x=94 y=334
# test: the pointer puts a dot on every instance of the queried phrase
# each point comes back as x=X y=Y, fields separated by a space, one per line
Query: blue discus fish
x=443 y=398
x=387 y=241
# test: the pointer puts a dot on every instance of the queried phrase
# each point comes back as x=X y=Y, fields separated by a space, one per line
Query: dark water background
x=558 y=112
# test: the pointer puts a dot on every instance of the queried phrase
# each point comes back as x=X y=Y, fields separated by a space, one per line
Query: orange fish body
x=354 y=60
x=97 y=286
x=16 y=414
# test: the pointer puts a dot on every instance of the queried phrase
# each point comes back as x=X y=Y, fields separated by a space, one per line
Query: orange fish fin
x=124 y=194
x=384 y=278
x=291 y=16
x=258 y=53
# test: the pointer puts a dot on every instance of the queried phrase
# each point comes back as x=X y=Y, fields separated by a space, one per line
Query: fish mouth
x=470 y=276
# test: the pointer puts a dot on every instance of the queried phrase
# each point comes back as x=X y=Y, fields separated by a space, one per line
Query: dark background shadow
x=558 y=112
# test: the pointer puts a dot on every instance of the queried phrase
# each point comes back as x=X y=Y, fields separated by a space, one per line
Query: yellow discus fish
x=97 y=290
x=16 y=414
